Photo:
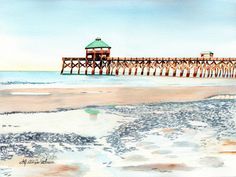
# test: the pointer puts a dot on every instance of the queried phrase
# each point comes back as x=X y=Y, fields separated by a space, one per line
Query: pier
x=98 y=61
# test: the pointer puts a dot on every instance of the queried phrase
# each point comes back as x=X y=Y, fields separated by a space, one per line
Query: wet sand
x=54 y=99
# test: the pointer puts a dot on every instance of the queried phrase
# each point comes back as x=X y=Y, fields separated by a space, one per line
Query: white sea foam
x=223 y=97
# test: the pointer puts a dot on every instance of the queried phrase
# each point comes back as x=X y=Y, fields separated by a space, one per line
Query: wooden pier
x=176 y=67
x=98 y=61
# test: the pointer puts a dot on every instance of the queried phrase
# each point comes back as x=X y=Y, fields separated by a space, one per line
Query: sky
x=36 y=34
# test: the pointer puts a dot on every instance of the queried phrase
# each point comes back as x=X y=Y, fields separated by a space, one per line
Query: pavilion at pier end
x=98 y=61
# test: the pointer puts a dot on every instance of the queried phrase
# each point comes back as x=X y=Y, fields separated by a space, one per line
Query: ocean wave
x=24 y=82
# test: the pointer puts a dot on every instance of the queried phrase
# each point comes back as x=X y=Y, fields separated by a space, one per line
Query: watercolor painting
x=117 y=88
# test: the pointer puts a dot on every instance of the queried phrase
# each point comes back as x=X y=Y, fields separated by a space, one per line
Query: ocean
x=41 y=79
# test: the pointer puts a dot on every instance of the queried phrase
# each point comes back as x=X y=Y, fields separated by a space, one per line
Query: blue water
x=54 y=79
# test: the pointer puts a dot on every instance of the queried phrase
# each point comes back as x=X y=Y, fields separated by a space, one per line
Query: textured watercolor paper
x=117 y=88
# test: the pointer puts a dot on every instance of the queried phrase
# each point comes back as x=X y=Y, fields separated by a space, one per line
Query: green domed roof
x=98 y=43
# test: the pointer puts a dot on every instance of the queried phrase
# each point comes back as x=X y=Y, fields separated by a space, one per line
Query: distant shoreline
x=33 y=100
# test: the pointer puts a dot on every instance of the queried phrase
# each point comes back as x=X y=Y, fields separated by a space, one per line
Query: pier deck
x=176 y=67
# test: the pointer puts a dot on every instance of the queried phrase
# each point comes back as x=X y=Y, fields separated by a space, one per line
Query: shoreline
x=33 y=100
x=58 y=110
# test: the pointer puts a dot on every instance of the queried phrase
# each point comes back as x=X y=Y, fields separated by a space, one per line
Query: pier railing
x=176 y=67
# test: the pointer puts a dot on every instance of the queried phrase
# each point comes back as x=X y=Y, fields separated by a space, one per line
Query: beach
x=114 y=127
x=55 y=99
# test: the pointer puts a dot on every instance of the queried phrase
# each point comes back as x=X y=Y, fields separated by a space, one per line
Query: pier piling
x=188 y=67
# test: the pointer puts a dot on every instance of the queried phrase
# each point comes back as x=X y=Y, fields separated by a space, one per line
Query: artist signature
x=36 y=161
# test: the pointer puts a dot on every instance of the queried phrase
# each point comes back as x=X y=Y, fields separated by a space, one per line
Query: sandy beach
x=191 y=138
x=165 y=127
x=54 y=99
x=118 y=131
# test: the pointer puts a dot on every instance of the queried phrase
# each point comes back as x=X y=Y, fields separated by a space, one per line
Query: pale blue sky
x=35 y=34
